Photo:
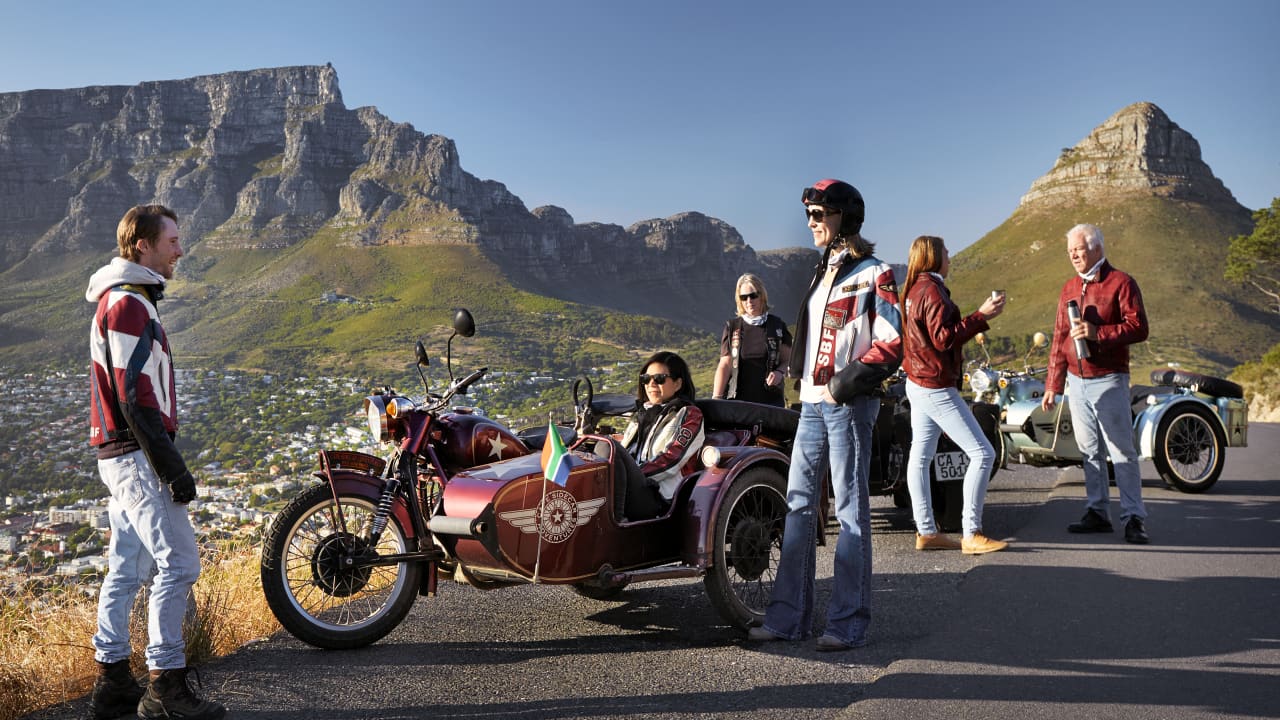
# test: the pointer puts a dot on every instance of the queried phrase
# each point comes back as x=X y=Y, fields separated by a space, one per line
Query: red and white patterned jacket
x=860 y=334
x=133 y=403
x=672 y=443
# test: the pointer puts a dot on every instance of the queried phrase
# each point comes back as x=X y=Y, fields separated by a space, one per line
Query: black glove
x=183 y=488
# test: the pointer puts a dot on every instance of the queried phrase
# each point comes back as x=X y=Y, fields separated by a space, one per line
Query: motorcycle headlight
x=375 y=409
x=981 y=380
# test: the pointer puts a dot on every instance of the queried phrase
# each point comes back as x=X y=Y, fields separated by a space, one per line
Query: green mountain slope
x=270 y=311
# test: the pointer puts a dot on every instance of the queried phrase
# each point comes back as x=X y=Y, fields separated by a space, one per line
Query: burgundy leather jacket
x=1112 y=302
x=933 y=334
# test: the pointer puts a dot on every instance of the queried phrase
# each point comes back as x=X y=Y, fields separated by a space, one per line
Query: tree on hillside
x=1255 y=258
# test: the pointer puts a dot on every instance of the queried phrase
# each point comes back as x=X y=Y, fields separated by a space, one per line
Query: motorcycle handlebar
x=461 y=387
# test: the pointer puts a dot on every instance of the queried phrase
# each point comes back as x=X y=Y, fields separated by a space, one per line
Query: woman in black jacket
x=754 y=349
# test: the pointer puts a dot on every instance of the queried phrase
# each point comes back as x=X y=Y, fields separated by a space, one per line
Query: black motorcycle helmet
x=838 y=195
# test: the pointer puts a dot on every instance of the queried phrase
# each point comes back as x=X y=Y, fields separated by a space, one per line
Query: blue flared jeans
x=933 y=412
x=151 y=535
x=1102 y=419
x=835 y=437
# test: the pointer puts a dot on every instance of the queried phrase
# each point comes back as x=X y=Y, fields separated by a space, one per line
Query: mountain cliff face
x=263 y=159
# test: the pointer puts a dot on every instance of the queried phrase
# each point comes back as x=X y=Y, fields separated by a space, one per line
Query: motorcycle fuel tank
x=467 y=439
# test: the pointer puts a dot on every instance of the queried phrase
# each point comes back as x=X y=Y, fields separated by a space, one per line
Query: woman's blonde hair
x=754 y=281
x=924 y=256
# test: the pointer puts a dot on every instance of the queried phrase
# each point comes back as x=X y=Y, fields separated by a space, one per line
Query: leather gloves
x=183 y=488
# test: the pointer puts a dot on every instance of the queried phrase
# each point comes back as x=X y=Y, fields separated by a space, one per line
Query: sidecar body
x=506 y=523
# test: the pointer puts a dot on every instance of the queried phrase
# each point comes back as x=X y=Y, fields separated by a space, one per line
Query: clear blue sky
x=942 y=113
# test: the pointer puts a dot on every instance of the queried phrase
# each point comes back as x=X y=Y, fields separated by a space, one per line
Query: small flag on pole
x=555 y=458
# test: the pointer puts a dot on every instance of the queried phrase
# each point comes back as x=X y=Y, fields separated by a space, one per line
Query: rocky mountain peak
x=1138 y=150
x=262 y=160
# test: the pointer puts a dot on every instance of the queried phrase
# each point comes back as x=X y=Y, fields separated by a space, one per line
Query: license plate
x=950 y=466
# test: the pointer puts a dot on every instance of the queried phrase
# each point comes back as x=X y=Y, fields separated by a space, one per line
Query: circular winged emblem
x=556 y=517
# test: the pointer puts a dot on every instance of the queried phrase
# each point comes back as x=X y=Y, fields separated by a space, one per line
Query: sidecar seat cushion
x=776 y=422
x=1206 y=384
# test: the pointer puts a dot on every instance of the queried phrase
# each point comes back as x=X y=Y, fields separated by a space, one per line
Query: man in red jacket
x=133 y=420
x=1111 y=318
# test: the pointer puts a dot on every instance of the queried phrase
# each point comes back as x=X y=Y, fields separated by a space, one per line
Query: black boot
x=115 y=692
x=169 y=696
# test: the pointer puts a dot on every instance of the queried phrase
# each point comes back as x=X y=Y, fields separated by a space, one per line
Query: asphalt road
x=660 y=650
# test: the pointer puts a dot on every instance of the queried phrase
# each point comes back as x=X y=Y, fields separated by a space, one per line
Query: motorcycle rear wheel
x=312 y=588
x=1189 y=451
x=747 y=546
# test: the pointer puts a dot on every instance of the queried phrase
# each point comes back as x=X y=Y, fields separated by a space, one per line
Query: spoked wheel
x=747 y=546
x=1189 y=448
x=319 y=577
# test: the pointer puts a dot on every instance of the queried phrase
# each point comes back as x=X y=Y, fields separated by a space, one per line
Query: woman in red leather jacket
x=933 y=333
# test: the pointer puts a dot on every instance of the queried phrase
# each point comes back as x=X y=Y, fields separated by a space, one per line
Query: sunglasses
x=748 y=296
x=817 y=214
x=656 y=378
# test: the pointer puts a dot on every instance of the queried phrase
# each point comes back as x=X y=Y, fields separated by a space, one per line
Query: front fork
x=401 y=469
x=402 y=472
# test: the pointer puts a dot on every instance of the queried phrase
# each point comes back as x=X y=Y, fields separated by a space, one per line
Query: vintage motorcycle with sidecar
x=1183 y=422
x=463 y=497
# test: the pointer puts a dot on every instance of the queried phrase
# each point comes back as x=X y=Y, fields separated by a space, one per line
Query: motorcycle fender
x=351 y=482
x=704 y=506
x=1148 y=421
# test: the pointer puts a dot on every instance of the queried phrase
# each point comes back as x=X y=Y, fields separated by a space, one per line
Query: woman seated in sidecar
x=664 y=435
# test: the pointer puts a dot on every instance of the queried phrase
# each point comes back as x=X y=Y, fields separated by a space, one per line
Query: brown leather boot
x=115 y=691
x=169 y=696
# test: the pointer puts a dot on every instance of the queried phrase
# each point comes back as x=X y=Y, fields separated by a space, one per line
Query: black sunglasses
x=817 y=214
x=748 y=296
x=657 y=378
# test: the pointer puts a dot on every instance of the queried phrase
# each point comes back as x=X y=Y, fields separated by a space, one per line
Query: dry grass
x=46 y=657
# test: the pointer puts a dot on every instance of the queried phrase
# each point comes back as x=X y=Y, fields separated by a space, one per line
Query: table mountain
x=268 y=167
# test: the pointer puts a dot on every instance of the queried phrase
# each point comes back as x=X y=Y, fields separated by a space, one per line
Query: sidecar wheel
x=747 y=546
x=1189 y=448
x=312 y=587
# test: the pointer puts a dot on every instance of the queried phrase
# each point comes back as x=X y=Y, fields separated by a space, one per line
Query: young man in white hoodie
x=133 y=422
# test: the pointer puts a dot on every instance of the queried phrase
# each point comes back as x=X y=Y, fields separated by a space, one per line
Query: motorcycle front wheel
x=317 y=577
x=747 y=546
x=1189 y=451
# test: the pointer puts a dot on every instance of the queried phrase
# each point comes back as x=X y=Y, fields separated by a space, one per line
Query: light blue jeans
x=937 y=411
x=1101 y=412
x=837 y=437
x=150 y=533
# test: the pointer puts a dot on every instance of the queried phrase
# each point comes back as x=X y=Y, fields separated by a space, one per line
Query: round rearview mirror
x=1039 y=340
x=980 y=338
x=420 y=352
x=463 y=323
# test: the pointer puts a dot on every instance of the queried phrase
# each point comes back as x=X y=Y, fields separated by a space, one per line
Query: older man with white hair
x=1100 y=314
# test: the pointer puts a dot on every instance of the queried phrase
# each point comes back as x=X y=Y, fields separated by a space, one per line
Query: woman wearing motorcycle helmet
x=754 y=349
x=664 y=434
x=847 y=342
x=933 y=333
